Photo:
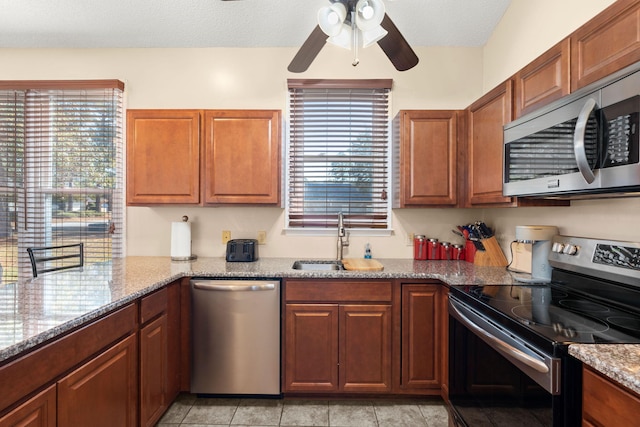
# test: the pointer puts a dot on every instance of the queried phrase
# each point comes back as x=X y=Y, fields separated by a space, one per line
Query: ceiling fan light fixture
x=331 y=18
x=369 y=14
x=343 y=39
x=372 y=36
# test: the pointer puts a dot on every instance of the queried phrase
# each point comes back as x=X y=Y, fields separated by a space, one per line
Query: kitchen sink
x=318 y=265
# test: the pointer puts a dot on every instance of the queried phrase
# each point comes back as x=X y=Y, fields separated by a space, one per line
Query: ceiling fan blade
x=396 y=47
x=308 y=51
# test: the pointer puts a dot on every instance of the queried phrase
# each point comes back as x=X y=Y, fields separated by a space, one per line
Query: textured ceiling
x=217 y=23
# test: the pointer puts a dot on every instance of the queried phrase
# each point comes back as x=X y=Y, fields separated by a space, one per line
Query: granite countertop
x=35 y=311
x=620 y=362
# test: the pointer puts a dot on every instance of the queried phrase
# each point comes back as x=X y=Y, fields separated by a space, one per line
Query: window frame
x=116 y=131
x=340 y=84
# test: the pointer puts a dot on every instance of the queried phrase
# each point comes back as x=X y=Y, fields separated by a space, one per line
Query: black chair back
x=54 y=258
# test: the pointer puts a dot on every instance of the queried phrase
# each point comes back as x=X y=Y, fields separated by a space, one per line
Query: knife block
x=491 y=255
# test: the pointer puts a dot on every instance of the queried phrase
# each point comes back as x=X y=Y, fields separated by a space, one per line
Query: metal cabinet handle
x=233 y=288
x=506 y=348
x=578 y=141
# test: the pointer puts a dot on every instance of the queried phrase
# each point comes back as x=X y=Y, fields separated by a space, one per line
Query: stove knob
x=570 y=250
x=570 y=332
x=557 y=247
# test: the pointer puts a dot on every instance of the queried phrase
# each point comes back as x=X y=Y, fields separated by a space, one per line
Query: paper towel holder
x=191 y=257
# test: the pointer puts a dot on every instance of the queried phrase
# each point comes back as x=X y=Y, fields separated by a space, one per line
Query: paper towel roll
x=181 y=240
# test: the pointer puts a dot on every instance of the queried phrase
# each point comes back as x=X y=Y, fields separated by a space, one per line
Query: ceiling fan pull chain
x=354 y=32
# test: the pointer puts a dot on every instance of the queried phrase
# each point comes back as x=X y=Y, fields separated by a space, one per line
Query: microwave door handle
x=578 y=141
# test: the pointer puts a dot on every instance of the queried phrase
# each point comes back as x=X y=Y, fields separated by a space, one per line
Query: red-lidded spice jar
x=457 y=252
x=433 y=249
x=445 y=251
x=419 y=247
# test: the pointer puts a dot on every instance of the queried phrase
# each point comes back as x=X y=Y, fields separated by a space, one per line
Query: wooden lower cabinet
x=311 y=347
x=102 y=392
x=421 y=326
x=153 y=371
x=338 y=348
x=605 y=403
x=39 y=411
x=365 y=348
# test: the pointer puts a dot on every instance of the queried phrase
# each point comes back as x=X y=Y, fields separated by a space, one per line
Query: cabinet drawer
x=337 y=291
x=152 y=305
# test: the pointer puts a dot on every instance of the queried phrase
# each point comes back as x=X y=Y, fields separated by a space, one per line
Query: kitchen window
x=61 y=170
x=338 y=154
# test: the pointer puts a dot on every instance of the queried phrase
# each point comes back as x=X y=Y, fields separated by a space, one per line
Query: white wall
x=527 y=29
x=445 y=78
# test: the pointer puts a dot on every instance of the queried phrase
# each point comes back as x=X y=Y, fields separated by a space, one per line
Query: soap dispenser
x=367 y=251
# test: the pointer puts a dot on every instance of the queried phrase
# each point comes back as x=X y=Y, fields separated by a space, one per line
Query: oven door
x=496 y=378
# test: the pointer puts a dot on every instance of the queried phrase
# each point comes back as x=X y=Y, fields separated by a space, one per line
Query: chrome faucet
x=342 y=232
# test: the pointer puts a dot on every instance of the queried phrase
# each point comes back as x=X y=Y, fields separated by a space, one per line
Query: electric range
x=521 y=332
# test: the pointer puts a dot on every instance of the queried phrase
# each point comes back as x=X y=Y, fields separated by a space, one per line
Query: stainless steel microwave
x=582 y=145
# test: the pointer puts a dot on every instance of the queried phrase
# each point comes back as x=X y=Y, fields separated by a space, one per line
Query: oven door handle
x=505 y=347
x=579 y=149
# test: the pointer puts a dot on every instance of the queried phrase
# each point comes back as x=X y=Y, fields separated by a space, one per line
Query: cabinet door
x=242 y=157
x=545 y=79
x=103 y=392
x=163 y=157
x=605 y=403
x=311 y=347
x=39 y=411
x=421 y=327
x=428 y=166
x=486 y=118
x=607 y=43
x=365 y=348
x=153 y=371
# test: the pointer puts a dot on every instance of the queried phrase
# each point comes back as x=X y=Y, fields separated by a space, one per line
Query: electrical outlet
x=226 y=236
x=410 y=237
x=262 y=237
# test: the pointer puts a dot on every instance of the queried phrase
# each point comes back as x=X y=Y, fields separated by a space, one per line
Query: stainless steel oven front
x=498 y=377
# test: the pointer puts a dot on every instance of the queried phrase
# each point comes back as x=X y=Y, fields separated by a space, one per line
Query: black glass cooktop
x=558 y=313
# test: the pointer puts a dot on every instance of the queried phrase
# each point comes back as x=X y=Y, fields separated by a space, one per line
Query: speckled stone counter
x=35 y=311
x=620 y=362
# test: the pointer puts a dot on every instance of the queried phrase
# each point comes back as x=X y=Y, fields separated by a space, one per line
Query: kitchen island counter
x=35 y=311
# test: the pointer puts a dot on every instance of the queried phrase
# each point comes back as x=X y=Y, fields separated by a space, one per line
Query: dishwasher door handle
x=233 y=288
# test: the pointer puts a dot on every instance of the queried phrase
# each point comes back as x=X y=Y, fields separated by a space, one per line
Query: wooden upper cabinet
x=163 y=157
x=545 y=79
x=606 y=44
x=242 y=160
x=485 y=120
x=235 y=160
x=426 y=161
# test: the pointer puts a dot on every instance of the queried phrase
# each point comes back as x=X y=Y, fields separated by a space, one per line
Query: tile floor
x=191 y=411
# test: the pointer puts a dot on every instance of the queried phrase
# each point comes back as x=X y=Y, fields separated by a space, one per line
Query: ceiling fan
x=344 y=23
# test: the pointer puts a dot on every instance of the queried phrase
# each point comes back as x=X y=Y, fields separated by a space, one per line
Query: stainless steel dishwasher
x=235 y=337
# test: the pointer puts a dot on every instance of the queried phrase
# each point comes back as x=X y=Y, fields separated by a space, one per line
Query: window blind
x=61 y=170
x=338 y=153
